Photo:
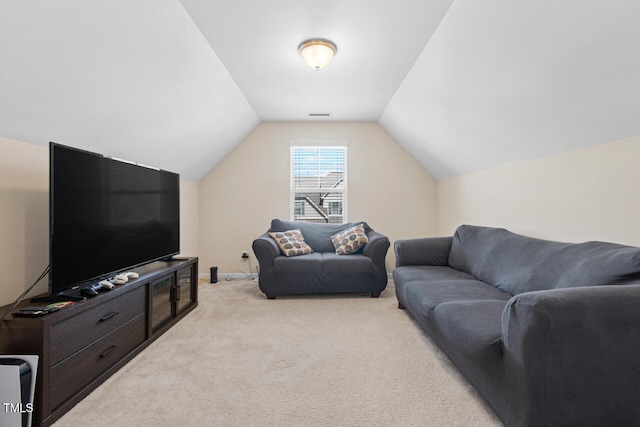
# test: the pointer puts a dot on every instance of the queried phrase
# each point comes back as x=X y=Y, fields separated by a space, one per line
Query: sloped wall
x=386 y=187
x=588 y=194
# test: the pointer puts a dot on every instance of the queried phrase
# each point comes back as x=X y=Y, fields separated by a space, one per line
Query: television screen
x=107 y=216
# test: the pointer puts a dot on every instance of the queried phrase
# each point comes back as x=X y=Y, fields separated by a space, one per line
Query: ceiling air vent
x=319 y=114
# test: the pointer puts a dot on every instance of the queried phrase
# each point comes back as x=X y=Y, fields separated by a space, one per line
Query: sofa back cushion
x=517 y=264
x=318 y=236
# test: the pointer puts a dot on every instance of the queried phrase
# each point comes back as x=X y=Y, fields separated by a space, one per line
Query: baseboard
x=243 y=275
x=238 y=275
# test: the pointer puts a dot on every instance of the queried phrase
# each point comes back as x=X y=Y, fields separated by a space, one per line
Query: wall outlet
x=245 y=254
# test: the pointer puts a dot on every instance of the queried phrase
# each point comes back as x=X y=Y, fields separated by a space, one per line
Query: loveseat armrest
x=266 y=250
x=376 y=248
x=571 y=356
x=423 y=251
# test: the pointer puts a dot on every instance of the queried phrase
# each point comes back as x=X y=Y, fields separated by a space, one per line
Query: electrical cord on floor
x=21 y=297
x=248 y=275
x=250 y=269
x=230 y=277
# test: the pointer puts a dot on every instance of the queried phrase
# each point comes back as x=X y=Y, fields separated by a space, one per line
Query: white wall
x=386 y=187
x=24 y=217
x=588 y=194
x=189 y=218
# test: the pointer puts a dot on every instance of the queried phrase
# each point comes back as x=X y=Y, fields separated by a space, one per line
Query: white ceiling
x=462 y=85
x=505 y=81
x=377 y=42
x=133 y=79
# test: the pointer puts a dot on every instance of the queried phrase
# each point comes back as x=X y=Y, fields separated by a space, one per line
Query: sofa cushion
x=349 y=241
x=423 y=288
x=517 y=264
x=470 y=333
x=291 y=242
x=471 y=326
x=318 y=236
x=337 y=264
x=306 y=264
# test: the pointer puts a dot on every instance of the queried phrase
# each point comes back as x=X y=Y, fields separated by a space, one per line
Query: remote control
x=34 y=311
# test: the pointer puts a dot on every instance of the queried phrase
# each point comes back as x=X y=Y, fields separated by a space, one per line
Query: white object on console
x=132 y=274
x=106 y=284
x=120 y=279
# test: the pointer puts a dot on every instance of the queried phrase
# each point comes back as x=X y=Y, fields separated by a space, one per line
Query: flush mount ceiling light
x=317 y=52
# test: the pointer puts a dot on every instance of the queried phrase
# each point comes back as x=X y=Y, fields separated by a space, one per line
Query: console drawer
x=77 y=332
x=80 y=369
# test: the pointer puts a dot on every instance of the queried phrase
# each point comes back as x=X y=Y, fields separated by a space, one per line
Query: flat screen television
x=107 y=216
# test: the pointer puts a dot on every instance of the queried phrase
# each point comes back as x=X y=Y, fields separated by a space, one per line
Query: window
x=335 y=208
x=318 y=184
x=298 y=208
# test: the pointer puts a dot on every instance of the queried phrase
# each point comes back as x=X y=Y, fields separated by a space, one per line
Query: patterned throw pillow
x=349 y=241
x=291 y=242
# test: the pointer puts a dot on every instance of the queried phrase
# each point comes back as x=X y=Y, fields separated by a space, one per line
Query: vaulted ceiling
x=462 y=85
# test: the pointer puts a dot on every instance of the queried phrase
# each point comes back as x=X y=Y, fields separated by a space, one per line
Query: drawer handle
x=109 y=316
x=109 y=350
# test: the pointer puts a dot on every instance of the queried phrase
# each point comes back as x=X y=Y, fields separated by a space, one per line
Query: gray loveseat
x=321 y=271
x=547 y=332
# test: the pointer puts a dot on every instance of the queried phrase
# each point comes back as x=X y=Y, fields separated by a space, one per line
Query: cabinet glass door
x=162 y=303
x=184 y=293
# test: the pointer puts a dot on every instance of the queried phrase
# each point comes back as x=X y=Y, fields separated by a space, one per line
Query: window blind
x=318 y=184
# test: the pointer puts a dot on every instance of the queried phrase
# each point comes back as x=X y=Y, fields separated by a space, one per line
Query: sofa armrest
x=376 y=248
x=571 y=356
x=424 y=251
x=266 y=250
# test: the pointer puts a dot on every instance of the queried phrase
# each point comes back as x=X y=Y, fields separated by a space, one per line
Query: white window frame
x=294 y=190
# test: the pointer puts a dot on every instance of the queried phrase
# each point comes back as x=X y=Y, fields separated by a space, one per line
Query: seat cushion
x=470 y=332
x=337 y=264
x=310 y=263
x=353 y=273
x=471 y=326
x=423 y=288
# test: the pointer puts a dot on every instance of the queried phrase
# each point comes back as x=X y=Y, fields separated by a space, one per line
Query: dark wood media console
x=83 y=344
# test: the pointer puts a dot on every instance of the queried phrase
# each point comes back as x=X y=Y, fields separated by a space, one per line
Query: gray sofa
x=547 y=332
x=321 y=271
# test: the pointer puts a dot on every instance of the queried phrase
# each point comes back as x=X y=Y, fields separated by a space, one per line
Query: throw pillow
x=350 y=241
x=291 y=242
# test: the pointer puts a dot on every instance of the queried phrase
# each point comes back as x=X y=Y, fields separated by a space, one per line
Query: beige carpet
x=242 y=360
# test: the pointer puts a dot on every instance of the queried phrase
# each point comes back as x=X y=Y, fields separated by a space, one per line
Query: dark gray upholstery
x=571 y=356
x=547 y=332
x=477 y=345
x=321 y=271
x=517 y=264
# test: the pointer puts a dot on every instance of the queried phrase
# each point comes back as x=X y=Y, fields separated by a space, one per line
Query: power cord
x=248 y=275
x=21 y=297
x=250 y=269
x=244 y=273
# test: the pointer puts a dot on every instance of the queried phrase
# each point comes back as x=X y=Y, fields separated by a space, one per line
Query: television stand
x=61 y=297
x=84 y=343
